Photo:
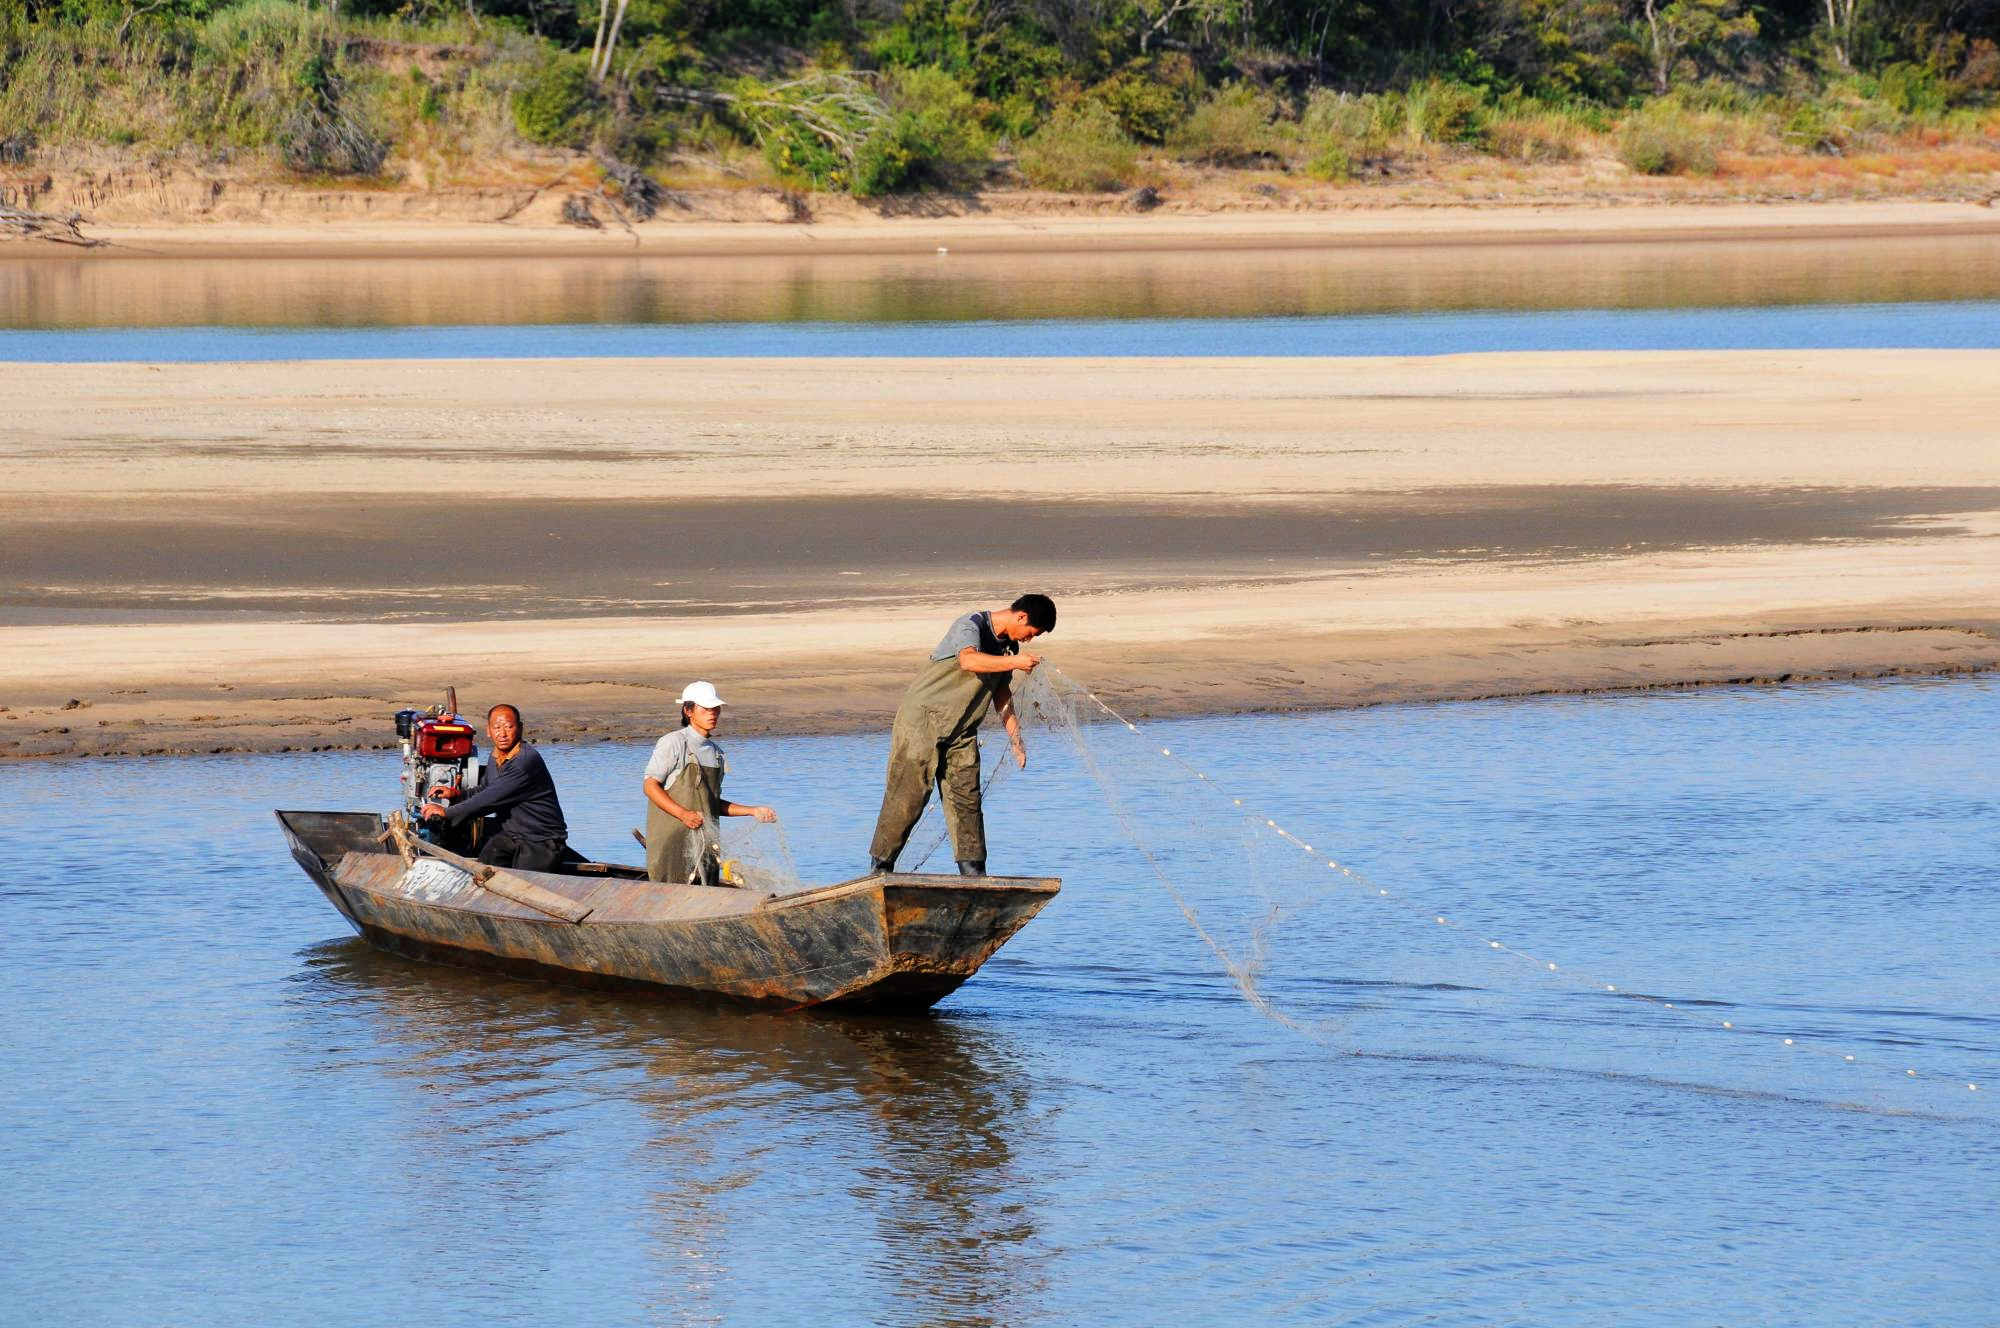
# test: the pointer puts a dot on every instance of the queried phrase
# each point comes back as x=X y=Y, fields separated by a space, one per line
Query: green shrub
x=1665 y=138
x=1440 y=111
x=1914 y=90
x=558 y=104
x=1817 y=127
x=247 y=71
x=1081 y=149
x=890 y=159
x=1150 y=102
x=802 y=157
x=324 y=134
x=1014 y=118
x=932 y=137
x=1232 y=127
x=815 y=130
x=1338 y=132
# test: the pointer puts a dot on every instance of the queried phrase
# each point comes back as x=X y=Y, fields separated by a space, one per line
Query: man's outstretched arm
x=1003 y=706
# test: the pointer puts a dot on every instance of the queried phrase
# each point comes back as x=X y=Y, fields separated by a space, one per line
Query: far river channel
x=1919 y=292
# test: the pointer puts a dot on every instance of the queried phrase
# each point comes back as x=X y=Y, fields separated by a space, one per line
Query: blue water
x=1928 y=326
x=216 y=1107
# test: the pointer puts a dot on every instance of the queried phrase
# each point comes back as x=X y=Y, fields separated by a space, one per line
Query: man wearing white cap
x=684 y=796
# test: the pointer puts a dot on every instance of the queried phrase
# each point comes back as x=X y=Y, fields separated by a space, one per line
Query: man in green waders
x=935 y=740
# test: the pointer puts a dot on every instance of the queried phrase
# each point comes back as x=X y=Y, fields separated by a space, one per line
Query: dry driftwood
x=640 y=192
x=19 y=224
x=576 y=212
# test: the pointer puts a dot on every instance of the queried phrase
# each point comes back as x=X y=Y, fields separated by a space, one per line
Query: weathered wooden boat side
x=895 y=942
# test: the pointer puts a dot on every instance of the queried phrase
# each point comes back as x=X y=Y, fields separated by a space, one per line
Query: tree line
x=876 y=95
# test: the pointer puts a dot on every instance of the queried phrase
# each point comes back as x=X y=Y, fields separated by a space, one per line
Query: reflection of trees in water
x=913 y=1121
x=363 y=292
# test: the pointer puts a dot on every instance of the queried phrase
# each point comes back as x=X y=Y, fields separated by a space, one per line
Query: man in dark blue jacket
x=532 y=834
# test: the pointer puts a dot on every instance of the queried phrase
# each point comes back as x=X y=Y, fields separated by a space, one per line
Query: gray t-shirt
x=672 y=752
x=975 y=630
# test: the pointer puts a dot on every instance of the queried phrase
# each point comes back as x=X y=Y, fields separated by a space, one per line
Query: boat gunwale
x=761 y=904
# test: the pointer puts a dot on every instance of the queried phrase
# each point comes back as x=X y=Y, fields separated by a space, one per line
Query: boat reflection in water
x=767 y=1159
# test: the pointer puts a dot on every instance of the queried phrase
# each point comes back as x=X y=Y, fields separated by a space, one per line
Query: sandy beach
x=276 y=556
x=293 y=222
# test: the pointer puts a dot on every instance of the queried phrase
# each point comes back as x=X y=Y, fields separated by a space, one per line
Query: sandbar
x=294 y=223
x=259 y=557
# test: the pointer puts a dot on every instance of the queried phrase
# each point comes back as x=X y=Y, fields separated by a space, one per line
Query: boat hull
x=894 y=943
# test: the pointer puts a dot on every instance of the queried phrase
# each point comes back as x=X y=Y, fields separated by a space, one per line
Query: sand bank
x=255 y=557
x=1022 y=227
x=1268 y=430
x=1403 y=633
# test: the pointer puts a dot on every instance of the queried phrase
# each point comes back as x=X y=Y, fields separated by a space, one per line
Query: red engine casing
x=444 y=740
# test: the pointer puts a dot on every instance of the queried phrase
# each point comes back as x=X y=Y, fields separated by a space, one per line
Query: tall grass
x=267 y=77
x=1530 y=132
x=1667 y=137
x=1337 y=132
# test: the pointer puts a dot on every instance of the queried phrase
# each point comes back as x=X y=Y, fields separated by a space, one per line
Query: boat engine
x=440 y=764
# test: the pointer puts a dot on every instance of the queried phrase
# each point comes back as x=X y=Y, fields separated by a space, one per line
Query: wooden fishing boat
x=895 y=943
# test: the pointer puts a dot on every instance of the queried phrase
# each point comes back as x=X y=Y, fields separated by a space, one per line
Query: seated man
x=532 y=834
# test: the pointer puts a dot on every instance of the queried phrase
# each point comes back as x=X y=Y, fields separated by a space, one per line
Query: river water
x=1919 y=292
x=1964 y=325
x=1218 y=1080
x=217 y=1107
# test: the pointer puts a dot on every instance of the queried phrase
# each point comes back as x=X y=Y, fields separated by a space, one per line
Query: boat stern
x=319 y=840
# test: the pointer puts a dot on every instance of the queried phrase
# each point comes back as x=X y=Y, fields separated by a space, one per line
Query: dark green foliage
x=931 y=139
x=559 y=104
x=1560 y=49
x=997 y=51
x=880 y=96
x=894 y=159
x=1913 y=89
x=1150 y=99
x=802 y=157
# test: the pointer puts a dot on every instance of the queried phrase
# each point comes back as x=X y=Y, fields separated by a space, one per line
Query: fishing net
x=1317 y=945
x=758 y=856
x=1209 y=858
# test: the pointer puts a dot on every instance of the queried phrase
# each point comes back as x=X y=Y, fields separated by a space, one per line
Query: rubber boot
x=972 y=866
x=877 y=867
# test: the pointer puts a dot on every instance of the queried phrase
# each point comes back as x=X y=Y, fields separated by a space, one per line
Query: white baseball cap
x=702 y=694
